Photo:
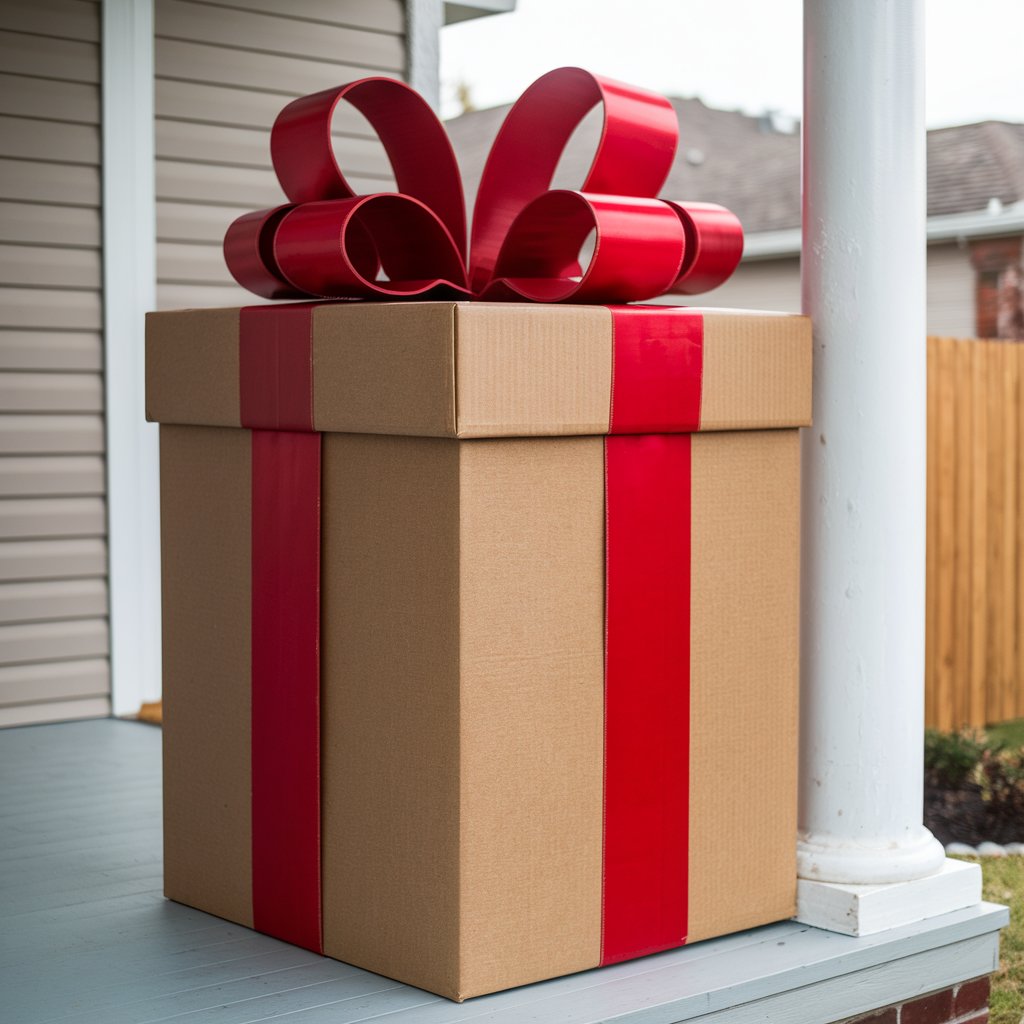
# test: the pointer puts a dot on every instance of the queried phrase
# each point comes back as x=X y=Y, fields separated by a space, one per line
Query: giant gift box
x=480 y=617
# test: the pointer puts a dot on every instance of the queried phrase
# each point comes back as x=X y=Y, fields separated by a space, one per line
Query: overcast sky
x=731 y=53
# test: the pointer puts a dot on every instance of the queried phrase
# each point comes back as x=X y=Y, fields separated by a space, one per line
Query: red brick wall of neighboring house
x=999 y=287
x=966 y=1003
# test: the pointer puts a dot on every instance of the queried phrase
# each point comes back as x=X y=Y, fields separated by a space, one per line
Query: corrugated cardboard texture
x=390 y=706
x=205 y=522
x=526 y=370
x=757 y=371
x=744 y=680
x=532 y=712
x=476 y=369
x=384 y=374
x=463 y=633
x=192 y=367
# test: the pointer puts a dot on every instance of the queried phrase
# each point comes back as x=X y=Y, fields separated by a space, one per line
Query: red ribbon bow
x=329 y=242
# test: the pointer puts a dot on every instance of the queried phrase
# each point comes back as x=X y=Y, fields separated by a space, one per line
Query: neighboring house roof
x=749 y=165
x=971 y=164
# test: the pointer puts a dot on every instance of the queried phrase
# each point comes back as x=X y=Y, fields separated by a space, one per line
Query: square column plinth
x=869 y=909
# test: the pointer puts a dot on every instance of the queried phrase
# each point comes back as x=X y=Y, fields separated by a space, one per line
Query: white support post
x=129 y=291
x=864 y=477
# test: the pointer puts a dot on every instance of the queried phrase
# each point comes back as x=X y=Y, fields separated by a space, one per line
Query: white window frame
x=129 y=292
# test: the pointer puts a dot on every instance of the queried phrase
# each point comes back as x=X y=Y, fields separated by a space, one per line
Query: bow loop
x=538 y=260
x=371 y=246
x=249 y=251
x=714 y=245
x=633 y=158
x=414 y=140
x=330 y=242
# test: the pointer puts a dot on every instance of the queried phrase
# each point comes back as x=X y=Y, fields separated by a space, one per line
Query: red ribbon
x=276 y=385
x=526 y=242
x=656 y=385
x=330 y=242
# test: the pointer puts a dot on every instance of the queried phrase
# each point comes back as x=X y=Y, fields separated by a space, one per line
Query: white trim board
x=950 y=227
x=424 y=20
x=129 y=291
x=465 y=10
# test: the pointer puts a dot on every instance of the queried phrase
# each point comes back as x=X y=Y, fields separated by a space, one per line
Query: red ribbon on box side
x=656 y=385
x=276 y=389
x=647 y=695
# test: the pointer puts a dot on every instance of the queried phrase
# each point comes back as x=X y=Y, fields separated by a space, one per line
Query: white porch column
x=129 y=292
x=864 y=472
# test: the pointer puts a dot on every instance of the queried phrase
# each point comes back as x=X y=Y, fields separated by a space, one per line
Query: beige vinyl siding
x=223 y=71
x=760 y=284
x=54 y=636
x=951 y=296
x=774 y=284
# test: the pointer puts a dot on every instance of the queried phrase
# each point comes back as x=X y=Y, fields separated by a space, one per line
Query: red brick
x=971 y=995
x=998 y=288
x=934 y=1009
x=995 y=253
x=986 y=305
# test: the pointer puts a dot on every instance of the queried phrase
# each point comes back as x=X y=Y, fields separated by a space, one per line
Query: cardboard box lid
x=445 y=369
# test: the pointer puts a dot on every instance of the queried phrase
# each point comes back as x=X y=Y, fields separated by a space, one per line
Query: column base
x=868 y=909
x=824 y=858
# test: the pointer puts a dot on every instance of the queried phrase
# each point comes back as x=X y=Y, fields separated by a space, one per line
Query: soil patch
x=961 y=816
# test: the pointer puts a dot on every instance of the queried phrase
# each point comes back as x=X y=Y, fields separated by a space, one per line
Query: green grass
x=1009 y=735
x=1003 y=882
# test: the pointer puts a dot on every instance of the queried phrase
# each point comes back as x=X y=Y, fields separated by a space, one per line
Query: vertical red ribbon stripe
x=276 y=366
x=656 y=386
x=275 y=359
x=657 y=370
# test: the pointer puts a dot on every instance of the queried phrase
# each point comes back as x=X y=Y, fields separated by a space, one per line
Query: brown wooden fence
x=975 y=607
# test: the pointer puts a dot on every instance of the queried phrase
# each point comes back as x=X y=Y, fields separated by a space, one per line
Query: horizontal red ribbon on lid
x=330 y=242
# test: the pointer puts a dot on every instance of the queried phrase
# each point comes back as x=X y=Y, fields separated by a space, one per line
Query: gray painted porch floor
x=87 y=938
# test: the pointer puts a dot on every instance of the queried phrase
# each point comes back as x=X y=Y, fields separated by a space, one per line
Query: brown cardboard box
x=462 y=630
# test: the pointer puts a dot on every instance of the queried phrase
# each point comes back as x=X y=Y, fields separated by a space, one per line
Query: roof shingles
x=749 y=166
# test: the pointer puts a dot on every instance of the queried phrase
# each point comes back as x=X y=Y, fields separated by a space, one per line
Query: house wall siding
x=761 y=284
x=775 y=285
x=54 y=636
x=950 y=292
x=223 y=71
